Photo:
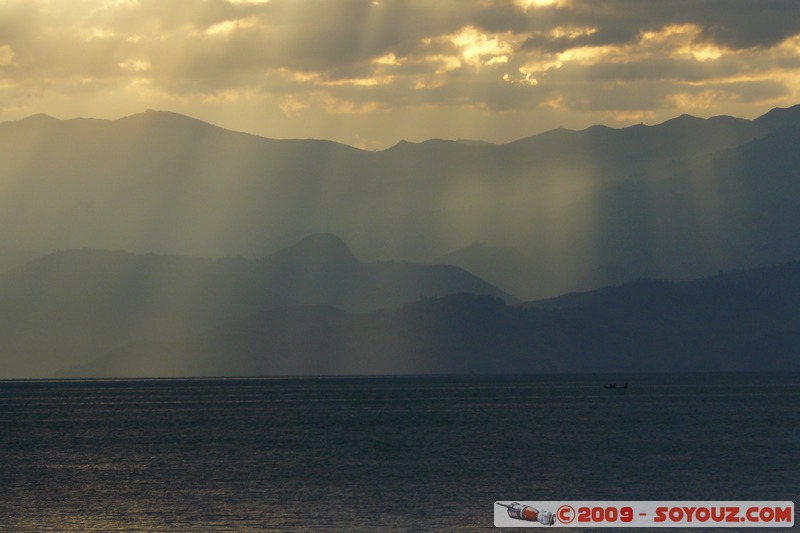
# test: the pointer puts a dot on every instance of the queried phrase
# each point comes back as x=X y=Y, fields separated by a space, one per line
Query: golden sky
x=371 y=72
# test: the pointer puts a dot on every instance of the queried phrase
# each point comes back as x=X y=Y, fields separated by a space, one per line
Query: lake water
x=382 y=454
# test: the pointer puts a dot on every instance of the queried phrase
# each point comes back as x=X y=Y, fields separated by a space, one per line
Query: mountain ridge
x=772 y=119
x=577 y=201
x=734 y=321
x=67 y=307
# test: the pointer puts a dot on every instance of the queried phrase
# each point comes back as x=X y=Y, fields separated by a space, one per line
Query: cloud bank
x=383 y=69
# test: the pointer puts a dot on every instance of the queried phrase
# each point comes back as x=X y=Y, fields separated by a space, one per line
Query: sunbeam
x=368 y=265
x=452 y=130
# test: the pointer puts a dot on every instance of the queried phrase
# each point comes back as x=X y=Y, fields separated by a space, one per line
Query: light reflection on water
x=381 y=454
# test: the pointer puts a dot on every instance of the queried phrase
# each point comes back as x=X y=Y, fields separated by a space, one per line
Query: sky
x=369 y=73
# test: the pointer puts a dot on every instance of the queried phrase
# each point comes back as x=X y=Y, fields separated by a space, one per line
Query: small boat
x=615 y=386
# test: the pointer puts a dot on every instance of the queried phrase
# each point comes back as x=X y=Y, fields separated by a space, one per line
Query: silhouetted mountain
x=158 y=181
x=504 y=267
x=321 y=270
x=779 y=118
x=735 y=321
x=69 y=307
x=733 y=209
x=676 y=200
x=317 y=249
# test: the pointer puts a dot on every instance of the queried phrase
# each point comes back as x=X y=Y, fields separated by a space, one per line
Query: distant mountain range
x=478 y=226
x=69 y=307
x=677 y=200
x=734 y=321
x=504 y=266
x=314 y=309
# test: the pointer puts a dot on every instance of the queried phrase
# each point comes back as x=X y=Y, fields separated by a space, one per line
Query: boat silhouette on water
x=615 y=386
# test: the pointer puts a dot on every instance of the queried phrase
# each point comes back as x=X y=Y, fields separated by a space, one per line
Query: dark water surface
x=382 y=454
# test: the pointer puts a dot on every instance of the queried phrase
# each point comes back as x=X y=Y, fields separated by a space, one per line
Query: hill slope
x=735 y=321
x=503 y=266
x=69 y=307
x=667 y=200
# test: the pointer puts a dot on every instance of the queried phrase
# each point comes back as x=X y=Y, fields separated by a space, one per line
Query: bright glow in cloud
x=388 y=59
x=527 y=4
x=292 y=106
x=229 y=26
x=572 y=32
x=479 y=48
x=593 y=55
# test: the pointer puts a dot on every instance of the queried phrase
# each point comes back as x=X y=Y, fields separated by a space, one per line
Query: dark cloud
x=734 y=24
x=601 y=37
x=742 y=24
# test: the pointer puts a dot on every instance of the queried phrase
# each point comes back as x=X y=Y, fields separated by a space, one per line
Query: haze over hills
x=734 y=321
x=557 y=212
x=320 y=269
x=677 y=200
x=503 y=266
x=69 y=307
